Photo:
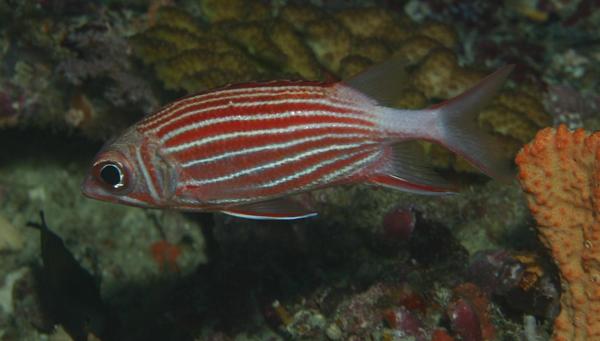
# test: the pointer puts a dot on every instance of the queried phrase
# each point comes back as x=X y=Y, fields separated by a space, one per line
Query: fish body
x=245 y=149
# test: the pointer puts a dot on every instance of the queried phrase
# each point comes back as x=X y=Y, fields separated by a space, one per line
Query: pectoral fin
x=275 y=209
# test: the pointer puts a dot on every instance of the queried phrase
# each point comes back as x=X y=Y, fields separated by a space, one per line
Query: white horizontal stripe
x=240 y=200
x=348 y=170
x=274 y=131
x=257 y=117
x=345 y=171
x=271 y=146
x=271 y=165
x=189 y=102
x=316 y=167
x=162 y=115
x=266 y=217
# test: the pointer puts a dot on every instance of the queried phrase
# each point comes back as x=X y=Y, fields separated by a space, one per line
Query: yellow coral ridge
x=560 y=174
x=232 y=10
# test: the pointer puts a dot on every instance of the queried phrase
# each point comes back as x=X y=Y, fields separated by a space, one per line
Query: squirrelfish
x=247 y=149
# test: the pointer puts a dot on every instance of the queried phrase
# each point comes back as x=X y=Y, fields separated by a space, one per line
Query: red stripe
x=246 y=187
x=207 y=113
x=308 y=179
x=142 y=197
x=225 y=167
x=249 y=142
x=243 y=142
x=154 y=119
x=312 y=179
x=240 y=126
x=247 y=110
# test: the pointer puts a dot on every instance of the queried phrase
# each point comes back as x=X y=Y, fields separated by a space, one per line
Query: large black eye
x=112 y=175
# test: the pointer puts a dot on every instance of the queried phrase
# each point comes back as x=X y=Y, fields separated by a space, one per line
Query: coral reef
x=387 y=311
x=375 y=264
x=399 y=223
x=69 y=70
x=469 y=313
x=186 y=56
x=311 y=43
x=555 y=48
x=112 y=243
x=99 y=50
x=521 y=280
x=570 y=107
x=559 y=172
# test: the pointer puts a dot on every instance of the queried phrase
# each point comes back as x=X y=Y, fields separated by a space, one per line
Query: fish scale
x=228 y=93
x=316 y=176
x=244 y=149
x=215 y=112
x=284 y=123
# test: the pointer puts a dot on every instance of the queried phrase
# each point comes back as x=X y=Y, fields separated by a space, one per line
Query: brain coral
x=560 y=174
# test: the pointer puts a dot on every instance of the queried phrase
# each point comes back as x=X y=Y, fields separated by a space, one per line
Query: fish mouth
x=90 y=189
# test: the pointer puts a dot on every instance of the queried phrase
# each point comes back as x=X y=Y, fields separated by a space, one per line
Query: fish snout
x=90 y=188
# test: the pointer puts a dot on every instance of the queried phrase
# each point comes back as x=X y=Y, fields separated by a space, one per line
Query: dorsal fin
x=382 y=82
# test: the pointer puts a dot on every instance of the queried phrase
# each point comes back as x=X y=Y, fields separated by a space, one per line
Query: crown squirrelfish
x=246 y=149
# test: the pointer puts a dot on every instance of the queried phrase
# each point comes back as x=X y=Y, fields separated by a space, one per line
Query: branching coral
x=560 y=174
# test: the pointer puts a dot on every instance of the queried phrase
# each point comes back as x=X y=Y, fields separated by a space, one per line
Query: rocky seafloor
x=374 y=265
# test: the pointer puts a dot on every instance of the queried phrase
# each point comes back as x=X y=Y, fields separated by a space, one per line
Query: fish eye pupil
x=112 y=175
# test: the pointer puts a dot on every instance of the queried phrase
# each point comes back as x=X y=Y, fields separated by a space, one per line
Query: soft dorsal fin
x=274 y=209
x=382 y=82
x=407 y=170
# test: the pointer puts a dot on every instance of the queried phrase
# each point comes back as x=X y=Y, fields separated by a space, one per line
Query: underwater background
x=376 y=264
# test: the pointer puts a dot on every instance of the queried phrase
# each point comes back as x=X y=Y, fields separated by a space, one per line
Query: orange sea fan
x=560 y=174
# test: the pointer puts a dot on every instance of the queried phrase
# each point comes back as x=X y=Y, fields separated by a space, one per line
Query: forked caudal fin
x=457 y=121
x=452 y=123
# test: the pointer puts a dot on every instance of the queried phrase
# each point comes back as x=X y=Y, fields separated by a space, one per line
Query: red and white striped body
x=253 y=142
x=259 y=142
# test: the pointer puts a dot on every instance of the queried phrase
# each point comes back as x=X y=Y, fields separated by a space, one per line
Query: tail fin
x=461 y=133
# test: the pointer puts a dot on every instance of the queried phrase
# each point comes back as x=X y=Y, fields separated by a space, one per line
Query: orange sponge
x=560 y=174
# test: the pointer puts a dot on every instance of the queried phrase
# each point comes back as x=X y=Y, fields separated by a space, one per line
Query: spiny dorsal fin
x=382 y=82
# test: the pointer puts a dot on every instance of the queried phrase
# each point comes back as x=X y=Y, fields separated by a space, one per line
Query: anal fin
x=391 y=181
x=407 y=170
x=274 y=209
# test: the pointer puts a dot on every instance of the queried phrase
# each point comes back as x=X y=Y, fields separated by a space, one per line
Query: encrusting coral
x=560 y=174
